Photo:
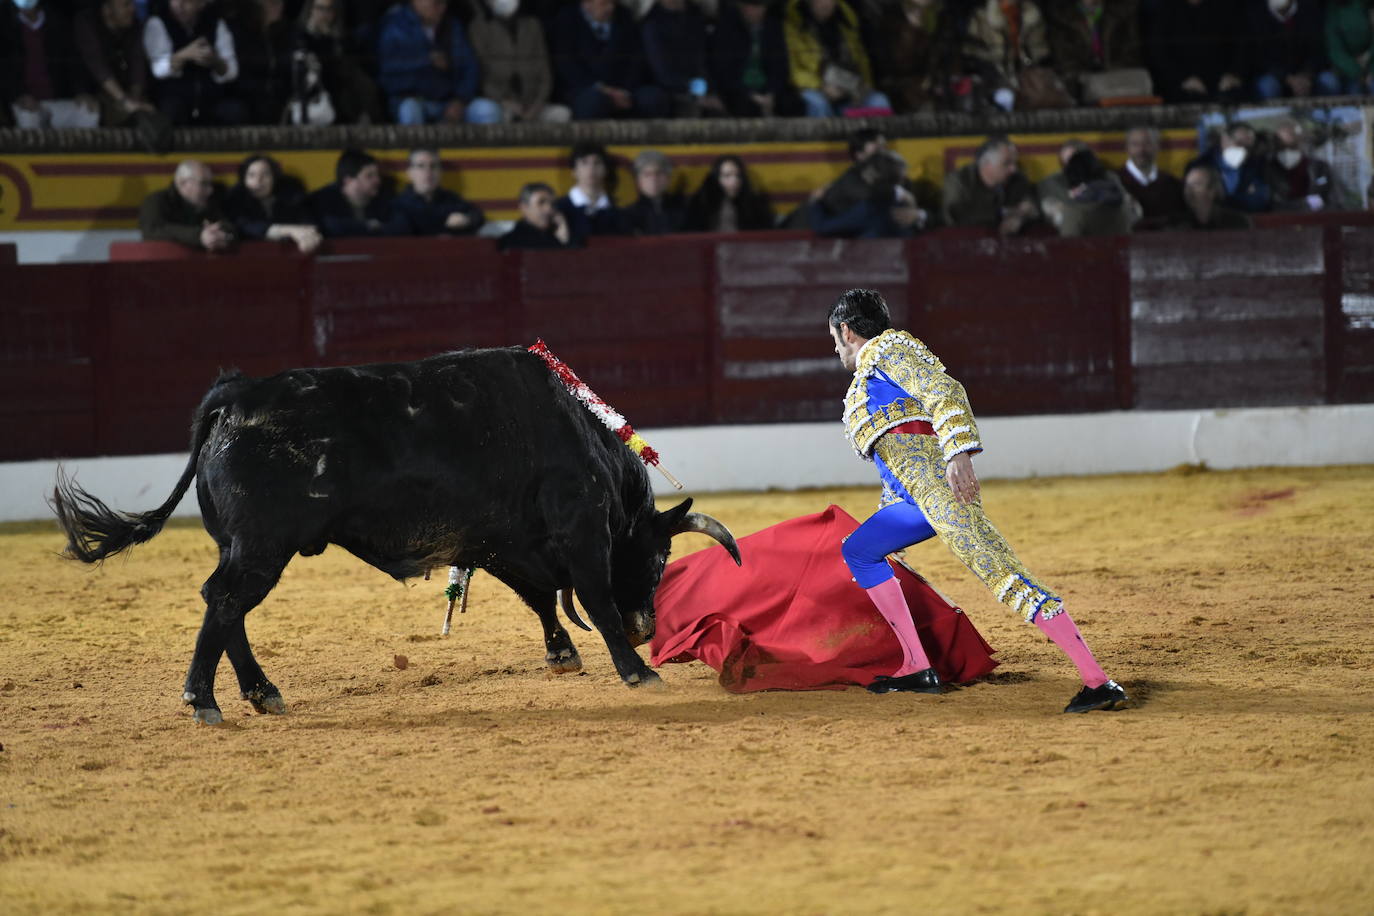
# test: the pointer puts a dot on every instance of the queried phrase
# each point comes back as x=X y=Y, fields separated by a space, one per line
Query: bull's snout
x=640 y=627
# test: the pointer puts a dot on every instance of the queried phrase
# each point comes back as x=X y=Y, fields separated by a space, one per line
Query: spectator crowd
x=1241 y=173
x=155 y=64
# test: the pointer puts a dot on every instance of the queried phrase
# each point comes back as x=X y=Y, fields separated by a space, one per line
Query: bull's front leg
x=601 y=607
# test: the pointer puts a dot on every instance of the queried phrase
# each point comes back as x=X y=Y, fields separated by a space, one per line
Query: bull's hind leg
x=236 y=587
x=559 y=651
x=253 y=684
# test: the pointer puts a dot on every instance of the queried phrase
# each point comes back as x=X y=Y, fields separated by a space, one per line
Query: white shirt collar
x=1140 y=176
x=580 y=199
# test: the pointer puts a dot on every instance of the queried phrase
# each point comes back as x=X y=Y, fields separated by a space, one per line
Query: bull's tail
x=95 y=531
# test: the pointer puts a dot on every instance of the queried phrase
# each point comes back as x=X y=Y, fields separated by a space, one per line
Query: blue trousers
x=890 y=528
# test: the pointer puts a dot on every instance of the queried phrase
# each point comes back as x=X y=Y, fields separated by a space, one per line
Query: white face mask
x=26 y=4
x=503 y=9
x=1233 y=156
x=1288 y=158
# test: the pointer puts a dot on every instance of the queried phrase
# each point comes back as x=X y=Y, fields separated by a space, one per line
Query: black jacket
x=580 y=59
x=335 y=217
x=426 y=217
x=524 y=235
x=252 y=220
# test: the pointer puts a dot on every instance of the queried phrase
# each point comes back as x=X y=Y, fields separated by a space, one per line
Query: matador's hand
x=962 y=479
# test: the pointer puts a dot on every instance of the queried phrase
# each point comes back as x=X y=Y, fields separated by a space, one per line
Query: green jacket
x=1348 y=35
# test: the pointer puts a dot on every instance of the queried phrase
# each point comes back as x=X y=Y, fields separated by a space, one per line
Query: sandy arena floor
x=415 y=774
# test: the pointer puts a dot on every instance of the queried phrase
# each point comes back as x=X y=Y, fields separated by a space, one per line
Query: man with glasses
x=429 y=209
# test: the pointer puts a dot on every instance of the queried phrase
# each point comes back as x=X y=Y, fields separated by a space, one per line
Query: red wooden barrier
x=112 y=358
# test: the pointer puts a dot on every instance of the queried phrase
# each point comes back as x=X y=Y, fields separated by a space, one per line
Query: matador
x=904 y=413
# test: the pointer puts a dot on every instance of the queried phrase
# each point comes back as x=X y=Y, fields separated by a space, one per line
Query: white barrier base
x=790 y=456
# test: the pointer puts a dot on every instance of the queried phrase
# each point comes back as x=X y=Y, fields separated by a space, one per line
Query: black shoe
x=1104 y=696
x=925 y=681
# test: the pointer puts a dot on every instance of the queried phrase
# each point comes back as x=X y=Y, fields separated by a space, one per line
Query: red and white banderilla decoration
x=601 y=410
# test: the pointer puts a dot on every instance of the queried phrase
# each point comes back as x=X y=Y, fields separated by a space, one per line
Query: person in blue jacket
x=428 y=69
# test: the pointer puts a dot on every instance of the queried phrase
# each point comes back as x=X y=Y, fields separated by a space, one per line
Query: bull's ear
x=667 y=522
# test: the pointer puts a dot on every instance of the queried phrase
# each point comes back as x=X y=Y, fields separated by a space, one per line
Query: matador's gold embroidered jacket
x=926 y=393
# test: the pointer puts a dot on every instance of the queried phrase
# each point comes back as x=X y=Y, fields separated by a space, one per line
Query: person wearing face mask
x=43 y=82
x=1245 y=184
x=515 y=63
x=1285 y=50
x=1301 y=182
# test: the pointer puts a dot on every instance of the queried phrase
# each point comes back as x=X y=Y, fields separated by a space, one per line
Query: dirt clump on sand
x=1235 y=608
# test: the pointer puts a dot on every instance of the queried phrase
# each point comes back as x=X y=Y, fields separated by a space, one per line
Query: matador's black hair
x=863 y=310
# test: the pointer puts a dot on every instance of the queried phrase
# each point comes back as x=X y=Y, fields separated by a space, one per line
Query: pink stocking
x=1064 y=633
x=892 y=605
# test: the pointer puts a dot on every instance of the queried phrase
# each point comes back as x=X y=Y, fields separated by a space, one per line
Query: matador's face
x=847 y=345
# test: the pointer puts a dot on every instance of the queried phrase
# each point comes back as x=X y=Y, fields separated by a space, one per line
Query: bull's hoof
x=645 y=679
x=266 y=704
x=565 y=661
x=208 y=716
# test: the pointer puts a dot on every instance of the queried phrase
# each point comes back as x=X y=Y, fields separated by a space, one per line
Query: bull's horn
x=569 y=609
x=704 y=524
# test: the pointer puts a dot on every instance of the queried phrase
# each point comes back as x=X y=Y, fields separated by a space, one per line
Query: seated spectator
x=429 y=209
x=194 y=64
x=727 y=202
x=1194 y=51
x=1083 y=198
x=1301 y=182
x=1245 y=186
x=674 y=36
x=1096 y=48
x=868 y=201
x=599 y=61
x=345 y=94
x=1006 y=45
x=427 y=68
x=541 y=225
x=590 y=206
x=42 y=80
x=110 y=43
x=267 y=205
x=188 y=212
x=748 y=61
x=1159 y=194
x=1284 y=50
x=262 y=41
x=355 y=204
x=827 y=59
x=1202 y=194
x=658 y=211
x=991 y=191
x=1350 y=45
x=916 y=51
x=515 y=63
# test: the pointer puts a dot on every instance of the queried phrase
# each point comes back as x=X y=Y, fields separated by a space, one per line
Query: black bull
x=477 y=458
